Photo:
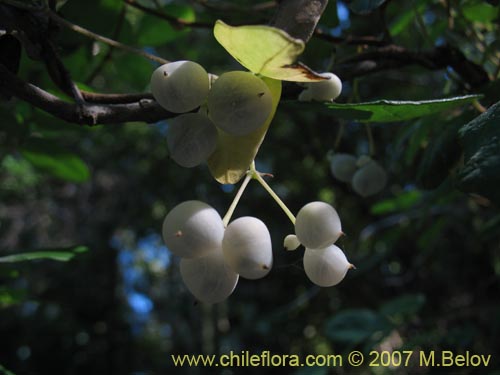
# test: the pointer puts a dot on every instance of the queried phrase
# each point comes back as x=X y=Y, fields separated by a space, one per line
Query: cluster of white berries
x=366 y=176
x=213 y=257
x=318 y=227
x=237 y=103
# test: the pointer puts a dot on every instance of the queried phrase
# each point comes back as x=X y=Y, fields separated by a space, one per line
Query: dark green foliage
x=481 y=142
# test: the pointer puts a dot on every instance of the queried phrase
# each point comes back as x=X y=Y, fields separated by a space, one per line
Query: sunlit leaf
x=265 y=50
x=50 y=158
x=61 y=255
x=233 y=155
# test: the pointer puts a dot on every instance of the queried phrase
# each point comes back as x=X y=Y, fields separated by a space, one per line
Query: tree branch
x=145 y=110
x=350 y=40
x=395 y=57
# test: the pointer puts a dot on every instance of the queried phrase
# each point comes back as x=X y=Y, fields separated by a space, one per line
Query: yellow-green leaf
x=265 y=50
x=234 y=155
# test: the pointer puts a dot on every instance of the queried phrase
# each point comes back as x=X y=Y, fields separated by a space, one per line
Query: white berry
x=180 y=86
x=291 y=242
x=247 y=247
x=343 y=167
x=239 y=102
x=369 y=179
x=192 y=229
x=191 y=139
x=317 y=225
x=209 y=278
x=326 y=267
x=323 y=91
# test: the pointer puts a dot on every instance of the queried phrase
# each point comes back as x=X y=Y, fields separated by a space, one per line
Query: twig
x=109 y=53
x=349 y=39
x=61 y=21
x=174 y=21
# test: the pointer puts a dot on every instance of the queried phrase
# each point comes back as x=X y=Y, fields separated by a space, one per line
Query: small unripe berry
x=209 y=278
x=343 y=167
x=247 y=247
x=180 y=86
x=317 y=225
x=192 y=229
x=326 y=267
x=291 y=242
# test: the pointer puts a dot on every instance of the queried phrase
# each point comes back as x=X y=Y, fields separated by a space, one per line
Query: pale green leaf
x=265 y=50
x=392 y=110
x=230 y=161
x=58 y=255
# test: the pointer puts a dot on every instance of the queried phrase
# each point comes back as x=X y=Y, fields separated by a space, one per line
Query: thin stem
x=256 y=175
x=338 y=137
x=371 y=142
x=176 y=22
x=104 y=39
x=236 y=199
x=109 y=53
x=478 y=106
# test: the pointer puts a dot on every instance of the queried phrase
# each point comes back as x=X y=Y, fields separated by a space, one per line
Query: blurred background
x=427 y=254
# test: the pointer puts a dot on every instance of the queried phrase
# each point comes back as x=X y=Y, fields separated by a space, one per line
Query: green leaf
x=392 y=110
x=365 y=6
x=480 y=11
x=441 y=154
x=230 y=161
x=61 y=255
x=403 y=307
x=10 y=297
x=401 y=202
x=406 y=17
x=355 y=326
x=4 y=371
x=265 y=50
x=49 y=157
x=481 y=142
x=154 y=31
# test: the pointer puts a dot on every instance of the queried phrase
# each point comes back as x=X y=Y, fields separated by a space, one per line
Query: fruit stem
x=237 y=198
x=258 y=176
x=371 y=142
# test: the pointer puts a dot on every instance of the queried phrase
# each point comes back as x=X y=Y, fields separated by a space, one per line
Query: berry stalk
x=256 y=175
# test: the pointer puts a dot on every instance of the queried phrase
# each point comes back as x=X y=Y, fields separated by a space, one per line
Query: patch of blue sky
x=344 y=19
